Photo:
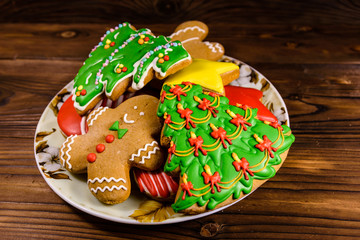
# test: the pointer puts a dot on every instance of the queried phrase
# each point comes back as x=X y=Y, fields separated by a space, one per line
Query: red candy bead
x=91 y=157
x=166 y=57
x=112 y=44
x=124 y=69
x=83 y=92
x=146 y=39
x=109 y=138
x=100 y=148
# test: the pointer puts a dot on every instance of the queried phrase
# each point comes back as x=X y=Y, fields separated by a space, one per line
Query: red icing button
x=112 y=44
x=124 y=69
x=91 y=157
x=83 y=92
x=109 y=138
x=100 y=148
x=166 y=57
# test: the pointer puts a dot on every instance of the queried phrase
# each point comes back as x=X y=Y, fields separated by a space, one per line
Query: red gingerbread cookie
x=118 y=139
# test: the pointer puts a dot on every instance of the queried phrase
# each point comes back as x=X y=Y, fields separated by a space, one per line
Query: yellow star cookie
x=209 y=74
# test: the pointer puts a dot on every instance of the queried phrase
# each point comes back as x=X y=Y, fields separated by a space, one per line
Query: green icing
x=121 y=46
x=219 y=160
x=115 y=127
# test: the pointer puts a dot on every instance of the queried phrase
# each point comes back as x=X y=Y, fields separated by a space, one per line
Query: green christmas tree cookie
x=125 y=58
x=220 y=151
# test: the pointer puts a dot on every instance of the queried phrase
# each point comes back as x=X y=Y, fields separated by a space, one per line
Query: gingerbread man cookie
x=118 y=139
x=192 y=34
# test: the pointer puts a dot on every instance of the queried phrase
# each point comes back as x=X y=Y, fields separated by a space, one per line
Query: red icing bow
x=214 y=179
x=242 y=164
x=186 y=113
x=197 y=143
x=219 y=133
x=238 y=120
x=205 y=104
x=186 y=186
x=265 y=144
x=177 y=91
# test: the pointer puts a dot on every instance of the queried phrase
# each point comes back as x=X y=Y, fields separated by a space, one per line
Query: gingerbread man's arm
x=73 y=161
x=149 y=157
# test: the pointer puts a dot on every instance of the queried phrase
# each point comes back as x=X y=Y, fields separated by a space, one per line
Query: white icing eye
x=141 y=113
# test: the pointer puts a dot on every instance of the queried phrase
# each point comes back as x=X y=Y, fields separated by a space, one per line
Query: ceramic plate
x=73 y=188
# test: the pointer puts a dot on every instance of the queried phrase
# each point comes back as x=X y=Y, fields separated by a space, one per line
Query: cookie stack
x=193 y=142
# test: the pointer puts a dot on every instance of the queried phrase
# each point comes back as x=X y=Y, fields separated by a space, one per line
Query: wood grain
x=309 y=50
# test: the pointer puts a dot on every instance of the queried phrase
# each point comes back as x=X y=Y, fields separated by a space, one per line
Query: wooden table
x=310 y=51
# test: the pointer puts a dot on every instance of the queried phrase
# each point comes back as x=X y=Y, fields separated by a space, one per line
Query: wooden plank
x=260 y=12
x=250 y=43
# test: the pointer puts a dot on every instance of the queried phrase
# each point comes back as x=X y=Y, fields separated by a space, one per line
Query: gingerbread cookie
x=117 y=140
x=125 y=58
x=221 y=152
x=192 y=34
x=209 y=74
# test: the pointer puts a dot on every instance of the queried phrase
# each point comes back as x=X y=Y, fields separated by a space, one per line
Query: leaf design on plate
x=264 y=85
x=254 y=77
x=59 y=176
x=40 y=135
x=57 y=99
x=152 y=211
x=41 y=146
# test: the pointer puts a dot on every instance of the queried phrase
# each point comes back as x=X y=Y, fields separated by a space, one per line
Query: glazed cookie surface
x=125 y=58
x=220 y=151
x=210 y=75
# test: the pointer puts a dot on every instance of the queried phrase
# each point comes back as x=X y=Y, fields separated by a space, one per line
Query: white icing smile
x=127 y=121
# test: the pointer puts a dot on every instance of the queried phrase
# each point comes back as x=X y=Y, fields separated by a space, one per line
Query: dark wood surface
x=310 y=51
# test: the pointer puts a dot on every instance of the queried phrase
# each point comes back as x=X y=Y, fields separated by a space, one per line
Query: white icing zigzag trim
x=95 y=190
x=213 y=48
x=63 y=160
x=94 y=115
x=144 y=149
x=105 y=179
x=187 y=29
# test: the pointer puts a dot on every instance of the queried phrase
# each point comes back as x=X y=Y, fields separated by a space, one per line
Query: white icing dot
x=135 y=107
x=141 y=113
